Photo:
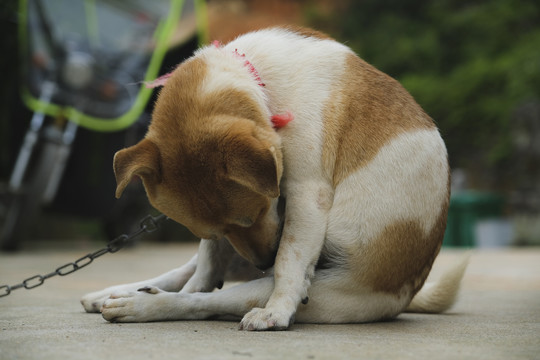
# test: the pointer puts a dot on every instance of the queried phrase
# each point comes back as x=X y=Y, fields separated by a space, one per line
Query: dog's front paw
x=93 y=302
x=139 y=306
x=266 y=319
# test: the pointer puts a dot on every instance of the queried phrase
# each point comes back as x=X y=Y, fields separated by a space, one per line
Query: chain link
x=148 y=224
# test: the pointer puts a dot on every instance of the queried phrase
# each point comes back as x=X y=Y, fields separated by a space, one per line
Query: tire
x=24 y=207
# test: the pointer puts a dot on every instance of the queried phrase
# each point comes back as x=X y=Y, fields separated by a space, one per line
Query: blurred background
x=474 y=66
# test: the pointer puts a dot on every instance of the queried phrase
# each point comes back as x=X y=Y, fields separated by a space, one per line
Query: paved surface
x=497 y=316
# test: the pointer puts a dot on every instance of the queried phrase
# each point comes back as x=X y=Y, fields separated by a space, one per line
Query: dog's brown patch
x=401 y=255
x=366 y=110
x=307 y=32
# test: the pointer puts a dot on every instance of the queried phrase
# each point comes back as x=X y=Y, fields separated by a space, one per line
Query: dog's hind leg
x=337 y=298
x=173 y=280
x=332 y=299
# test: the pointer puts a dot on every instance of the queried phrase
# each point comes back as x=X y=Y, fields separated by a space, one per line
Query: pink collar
x=250 y=67
x=278 y=121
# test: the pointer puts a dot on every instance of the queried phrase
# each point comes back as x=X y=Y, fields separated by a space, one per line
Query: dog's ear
x=253 y=165
x=142 y=160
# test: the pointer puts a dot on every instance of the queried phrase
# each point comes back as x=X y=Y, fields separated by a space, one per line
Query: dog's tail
x=439 y=296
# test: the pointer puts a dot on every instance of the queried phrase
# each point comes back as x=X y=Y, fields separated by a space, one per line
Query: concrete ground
x=496 y=317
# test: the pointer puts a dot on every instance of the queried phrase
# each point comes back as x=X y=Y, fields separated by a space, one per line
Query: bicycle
x=85 y=64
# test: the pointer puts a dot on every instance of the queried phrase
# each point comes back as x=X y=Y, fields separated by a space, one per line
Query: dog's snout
x=263 y=266
x=267 y=262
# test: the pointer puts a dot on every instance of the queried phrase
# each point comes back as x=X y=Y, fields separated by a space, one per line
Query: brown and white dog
x=284 y=149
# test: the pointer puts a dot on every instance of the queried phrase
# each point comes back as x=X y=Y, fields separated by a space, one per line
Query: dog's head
x=210 y=163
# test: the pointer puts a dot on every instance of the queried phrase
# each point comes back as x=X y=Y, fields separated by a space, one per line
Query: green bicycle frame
x=164 y=31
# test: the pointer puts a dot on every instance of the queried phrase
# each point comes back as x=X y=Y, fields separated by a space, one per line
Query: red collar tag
x=279 y=121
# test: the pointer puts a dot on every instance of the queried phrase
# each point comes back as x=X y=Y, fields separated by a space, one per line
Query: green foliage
x=470 y=64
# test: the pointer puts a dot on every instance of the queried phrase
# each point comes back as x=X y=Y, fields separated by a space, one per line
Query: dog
x=307 y=173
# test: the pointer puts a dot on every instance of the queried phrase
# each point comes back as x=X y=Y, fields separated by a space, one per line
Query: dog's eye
x=244 y=222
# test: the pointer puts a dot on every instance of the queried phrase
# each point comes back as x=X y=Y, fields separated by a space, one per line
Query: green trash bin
x=466 y=209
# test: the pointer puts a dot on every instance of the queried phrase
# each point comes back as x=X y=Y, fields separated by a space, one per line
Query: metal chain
x=148 y=224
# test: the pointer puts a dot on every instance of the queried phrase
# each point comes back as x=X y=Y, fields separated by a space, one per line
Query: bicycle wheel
x=24 y=207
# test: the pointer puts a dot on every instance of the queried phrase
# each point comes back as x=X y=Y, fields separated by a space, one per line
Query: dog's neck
x=278 y=120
